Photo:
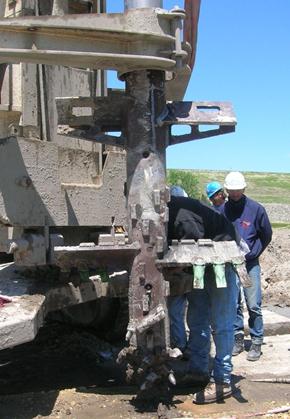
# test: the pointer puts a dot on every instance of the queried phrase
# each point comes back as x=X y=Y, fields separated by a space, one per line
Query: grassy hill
x=263 y=187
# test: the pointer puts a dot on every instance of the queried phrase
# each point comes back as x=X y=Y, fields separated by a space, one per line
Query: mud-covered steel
x=60 y=7
x=186 y=252
x=71 y=196
x=195 y=114
x=138 y=39
x=106 y=114
x=138 y=4
x=32 y=299
x=2 y=74
x=107 y=41
x=67 y=257
x=145 y=145
x=200 y=113
x=52 y=182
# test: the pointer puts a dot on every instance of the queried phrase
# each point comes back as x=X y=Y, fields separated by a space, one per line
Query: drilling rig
x=83 y=167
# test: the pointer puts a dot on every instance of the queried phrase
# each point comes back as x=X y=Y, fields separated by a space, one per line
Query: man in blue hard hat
x=215 y=194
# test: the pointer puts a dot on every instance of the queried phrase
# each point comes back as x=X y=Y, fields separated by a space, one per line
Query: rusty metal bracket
x=92 y=134
x=88 y=118
x=196 y=114
x=102 y=112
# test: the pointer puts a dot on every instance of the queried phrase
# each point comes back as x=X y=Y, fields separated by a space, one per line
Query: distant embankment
x=278 y=213
x=271 y=189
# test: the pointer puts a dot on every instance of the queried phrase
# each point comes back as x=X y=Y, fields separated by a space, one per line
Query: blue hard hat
x=212 y=188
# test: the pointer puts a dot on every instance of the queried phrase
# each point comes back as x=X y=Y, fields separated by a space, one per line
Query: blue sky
x=243 y=56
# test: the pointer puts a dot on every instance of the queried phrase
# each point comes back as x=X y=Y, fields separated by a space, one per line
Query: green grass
x=280 y=225
x=263 y=187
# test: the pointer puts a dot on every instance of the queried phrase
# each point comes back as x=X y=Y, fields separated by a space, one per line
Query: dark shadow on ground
x=61 y=357
x=31 y=406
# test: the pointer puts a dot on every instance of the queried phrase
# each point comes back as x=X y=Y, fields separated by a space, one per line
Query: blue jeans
x=253 y=297
x=176 y=310
x=213 y=310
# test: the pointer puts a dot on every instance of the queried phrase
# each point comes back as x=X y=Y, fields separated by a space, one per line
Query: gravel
x=275 y=264
x=278 y=212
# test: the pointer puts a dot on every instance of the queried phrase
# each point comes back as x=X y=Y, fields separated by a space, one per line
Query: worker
x=252 y=223
x=177 y=303
x=176 y=190
x=215 y=194
x=210 y=308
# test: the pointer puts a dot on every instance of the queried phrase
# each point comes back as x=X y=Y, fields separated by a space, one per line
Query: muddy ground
x=68 y=372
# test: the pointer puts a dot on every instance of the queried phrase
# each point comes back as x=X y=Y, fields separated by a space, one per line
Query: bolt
x=129 y=334
x=172 y=379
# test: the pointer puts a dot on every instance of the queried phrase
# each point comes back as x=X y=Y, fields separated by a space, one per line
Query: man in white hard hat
x=252 y=223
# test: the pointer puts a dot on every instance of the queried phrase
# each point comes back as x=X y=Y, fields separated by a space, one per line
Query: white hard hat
x=235 y=181
x=176 y=190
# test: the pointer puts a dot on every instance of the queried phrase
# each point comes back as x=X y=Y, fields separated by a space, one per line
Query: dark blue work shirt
x=252 y=222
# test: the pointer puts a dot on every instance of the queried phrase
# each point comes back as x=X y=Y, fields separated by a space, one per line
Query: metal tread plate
x=186 y=254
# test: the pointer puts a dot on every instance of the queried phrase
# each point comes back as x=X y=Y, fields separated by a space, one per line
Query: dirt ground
x=275 y=265
x=68 y=372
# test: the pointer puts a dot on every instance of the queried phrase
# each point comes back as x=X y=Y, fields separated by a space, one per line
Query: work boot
x=239 y=344
x=212 y=393
x=254 y=352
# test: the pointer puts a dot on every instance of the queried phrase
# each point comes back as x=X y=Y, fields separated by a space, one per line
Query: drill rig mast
x=66 y=181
